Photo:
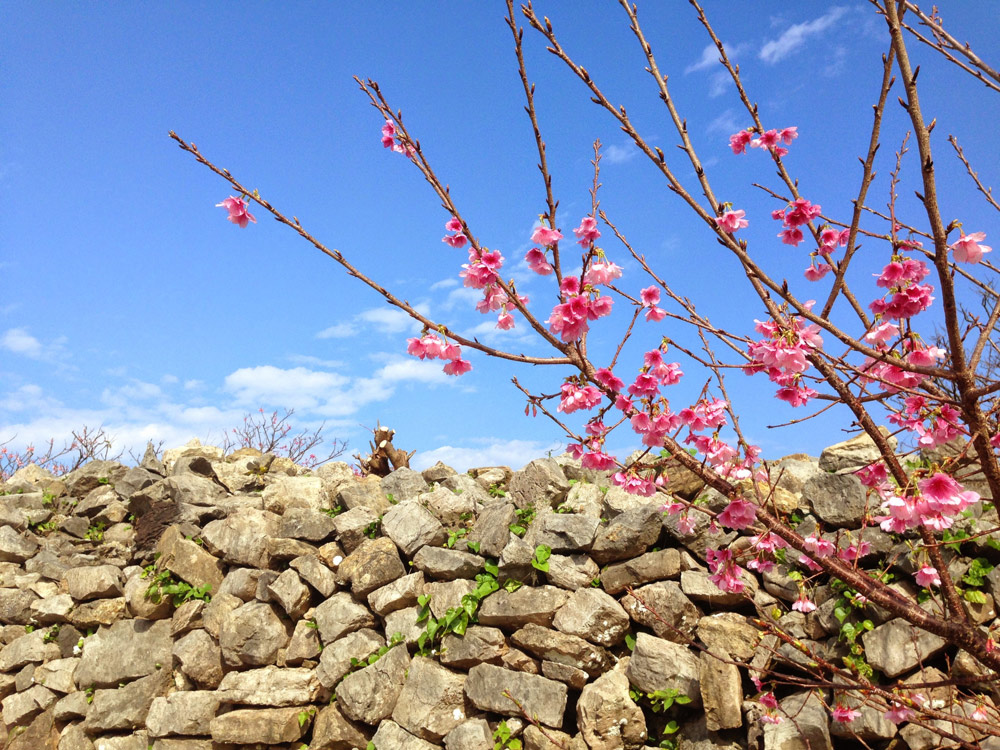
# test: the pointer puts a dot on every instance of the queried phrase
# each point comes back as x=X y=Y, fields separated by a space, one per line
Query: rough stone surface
x=411 y=526
x=369 y=695
x=658 y=664
x=432 y=701
x=268 y=726
x=252 y=635
x=125 y=651
x=897 y=647
x=593 y=615
x=540 y=697
x=607 y=717
x=838 y=499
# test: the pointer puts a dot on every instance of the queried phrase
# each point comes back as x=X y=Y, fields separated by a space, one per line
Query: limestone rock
x=593 y=615
x=183 y=713
x=370 y=694
x=340 y=615
x=897 y=647
x=252 y=635
x=528 y=604
x=411 y=526
x=607 y=717
x=432 y=701
x=540 y=697
x=678 y=617
x=127 y=650
x=375 y=563
x=658 y=664
x=333 y=731
x=542 y=483
x=268 y=726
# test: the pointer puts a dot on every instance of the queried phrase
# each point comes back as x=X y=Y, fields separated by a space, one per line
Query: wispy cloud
x=387 y=320
x=298 y=387
x=487 y=452
x=338 y=331
x=725 y=123
x=615 y=154
x=794 y=37
x=19 y=341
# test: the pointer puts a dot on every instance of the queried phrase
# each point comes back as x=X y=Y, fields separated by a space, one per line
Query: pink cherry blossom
x=769 y=139
x=388 y=134
x=788 y=135
x=801 y=211
x=238 y=213
x=882 y=333
x=457 y=367
x=844 y=715
x=574 y=397
x=537 y=262
x=602 y=273
x=967 y=248
x=725 y=573
x=605 y=377
x=791 y=236
x=817 y=546
x=815 y=273
x=803 y=604
x=928 y=576
x=587 y=231
x=545 y=236
x=899 y=713
x=738 y=142
x=650 y=297
x=505 y=321
x=738 y=514
x=731 y=221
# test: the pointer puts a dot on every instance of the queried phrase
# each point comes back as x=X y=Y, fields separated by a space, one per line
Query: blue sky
x=127 y=300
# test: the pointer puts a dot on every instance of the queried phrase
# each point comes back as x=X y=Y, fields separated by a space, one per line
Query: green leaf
x=630 y=642
x=491 y=567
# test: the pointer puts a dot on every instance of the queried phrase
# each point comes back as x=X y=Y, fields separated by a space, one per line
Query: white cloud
x=169 y=379
x=444 y=284
x=795 y=36
x=718 y=84
x=487 y=452
x=19 y=341
x=392 y=320
x=28 y=398
x=308 y=359
x=615 y=154
x=338 y=331
x=709 y=57
x=725 y=123
x=193 y=385
x=297 y=387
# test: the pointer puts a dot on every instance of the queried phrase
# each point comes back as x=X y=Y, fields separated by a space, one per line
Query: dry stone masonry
x=213 y=602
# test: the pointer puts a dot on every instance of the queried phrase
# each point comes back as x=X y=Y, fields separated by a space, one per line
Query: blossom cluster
x=770 y=140
x=783 y=356
x=433 y=347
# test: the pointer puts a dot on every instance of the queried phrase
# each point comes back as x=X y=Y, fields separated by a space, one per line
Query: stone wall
x=208 y=602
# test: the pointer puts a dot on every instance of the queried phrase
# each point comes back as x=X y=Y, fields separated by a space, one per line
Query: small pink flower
x=537 y=262
x=587 y=231
x=738 y=142
x=738 y=514
x=803 y=604
x=731 y=221
x=928 y=576
x=899 y=713
x=967 y=248
x=768 y=700
x=791 y=236
x=545 y=236
x=789 y=134
x=457 y=367
x=844 y=715
x=815 y=273
x=238 y=213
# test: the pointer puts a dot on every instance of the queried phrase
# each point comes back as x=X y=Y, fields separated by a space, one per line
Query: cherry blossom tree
x=873 y=363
